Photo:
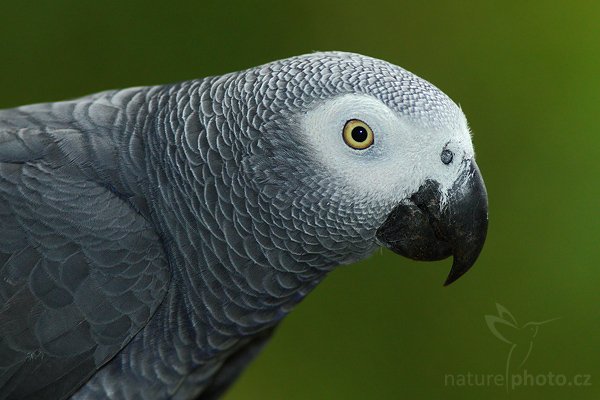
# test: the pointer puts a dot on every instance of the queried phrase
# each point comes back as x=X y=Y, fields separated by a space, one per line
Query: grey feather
x=148 y=235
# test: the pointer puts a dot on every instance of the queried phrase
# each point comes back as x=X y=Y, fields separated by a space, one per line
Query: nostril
x=447 y=156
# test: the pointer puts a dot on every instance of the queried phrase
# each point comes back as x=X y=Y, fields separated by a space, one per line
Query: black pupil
x=359 y=134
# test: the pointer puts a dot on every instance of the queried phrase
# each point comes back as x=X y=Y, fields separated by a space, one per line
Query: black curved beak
x=426 y=227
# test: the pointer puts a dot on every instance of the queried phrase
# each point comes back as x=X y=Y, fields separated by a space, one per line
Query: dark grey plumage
x=150 y=237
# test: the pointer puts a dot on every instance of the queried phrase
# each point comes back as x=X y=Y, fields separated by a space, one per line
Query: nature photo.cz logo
x=520 y=339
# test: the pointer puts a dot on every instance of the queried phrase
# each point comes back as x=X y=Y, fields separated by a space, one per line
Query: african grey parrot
x=151 y=238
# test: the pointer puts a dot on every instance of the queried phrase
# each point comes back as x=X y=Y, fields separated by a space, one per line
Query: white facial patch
x=403 y=156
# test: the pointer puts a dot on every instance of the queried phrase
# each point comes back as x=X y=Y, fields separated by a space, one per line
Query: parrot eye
x=357 y=134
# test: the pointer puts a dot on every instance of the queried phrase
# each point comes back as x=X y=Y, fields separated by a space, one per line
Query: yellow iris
x=358 y=135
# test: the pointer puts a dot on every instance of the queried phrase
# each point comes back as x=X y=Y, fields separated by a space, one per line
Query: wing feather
x=80 y=273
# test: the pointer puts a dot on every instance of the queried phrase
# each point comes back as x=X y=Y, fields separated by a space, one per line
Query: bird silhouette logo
x=520 y=337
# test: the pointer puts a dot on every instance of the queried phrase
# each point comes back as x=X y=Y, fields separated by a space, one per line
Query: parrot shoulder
x=81 y=272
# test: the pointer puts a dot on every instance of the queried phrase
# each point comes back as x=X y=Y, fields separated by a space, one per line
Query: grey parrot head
x=349 y=153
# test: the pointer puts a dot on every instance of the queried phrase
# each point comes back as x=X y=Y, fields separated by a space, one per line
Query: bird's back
x=80 y=271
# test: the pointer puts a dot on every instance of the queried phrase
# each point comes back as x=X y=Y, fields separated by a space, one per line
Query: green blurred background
x=527 y=75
